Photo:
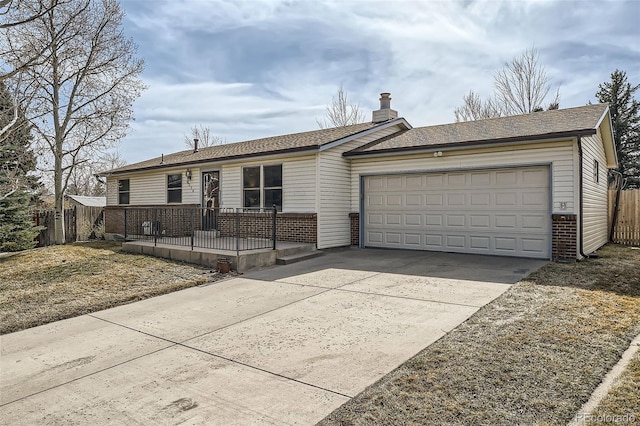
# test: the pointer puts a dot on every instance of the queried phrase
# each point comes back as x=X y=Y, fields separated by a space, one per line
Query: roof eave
x=396 y=121
x=606 y=131
x=470 y=144
x=297 y=150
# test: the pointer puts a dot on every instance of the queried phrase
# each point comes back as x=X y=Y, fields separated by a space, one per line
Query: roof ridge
x=545 y=112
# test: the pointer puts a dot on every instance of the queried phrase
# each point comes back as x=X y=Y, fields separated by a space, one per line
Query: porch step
x=298 y=257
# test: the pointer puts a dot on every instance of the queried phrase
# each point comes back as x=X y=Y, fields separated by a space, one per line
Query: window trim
x=127 y=192
x=174 y=189
x=262 y=187
x=596 y=171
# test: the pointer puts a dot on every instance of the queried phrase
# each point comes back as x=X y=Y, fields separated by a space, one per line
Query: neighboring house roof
x=89 y=201
x=271 y=145
x=534 y=126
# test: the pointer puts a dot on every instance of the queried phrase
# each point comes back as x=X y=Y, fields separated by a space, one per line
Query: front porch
x=241 y=260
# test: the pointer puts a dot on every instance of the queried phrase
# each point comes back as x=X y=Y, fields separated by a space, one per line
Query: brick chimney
x=385 y=113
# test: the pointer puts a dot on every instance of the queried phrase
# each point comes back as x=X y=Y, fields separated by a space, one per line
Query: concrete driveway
x=285 y=345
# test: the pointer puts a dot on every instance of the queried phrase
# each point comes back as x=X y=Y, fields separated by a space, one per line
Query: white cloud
x=259 y=68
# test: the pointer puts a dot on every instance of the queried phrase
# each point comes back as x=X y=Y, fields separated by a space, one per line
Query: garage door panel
x=480 y=243
x=393 y=219
x=434 y=200
x=480 y=221
x=455 y=220
x=413 y=200
x=413 y=219
x=456 y=199
x=501 y=211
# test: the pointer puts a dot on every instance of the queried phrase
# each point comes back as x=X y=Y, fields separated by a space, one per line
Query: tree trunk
x=59 y=208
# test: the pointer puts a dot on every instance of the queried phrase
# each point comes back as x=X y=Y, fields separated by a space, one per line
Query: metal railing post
x=125 y=223
x=273 y=225
x=237 y=233
x=154 y=227
x=193 y=225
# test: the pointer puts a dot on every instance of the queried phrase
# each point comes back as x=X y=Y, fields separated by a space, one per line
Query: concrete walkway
x=286 y=345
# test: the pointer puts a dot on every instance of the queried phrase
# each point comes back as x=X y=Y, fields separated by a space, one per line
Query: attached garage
x=503 y=212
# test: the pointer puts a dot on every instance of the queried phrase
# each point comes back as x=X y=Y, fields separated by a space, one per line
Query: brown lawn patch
x=622 y=403
x=48 y=284
x=532 y=356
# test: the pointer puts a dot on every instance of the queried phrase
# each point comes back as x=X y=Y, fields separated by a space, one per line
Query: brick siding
x=355 y=228
x=565 y=237
x=175 y=222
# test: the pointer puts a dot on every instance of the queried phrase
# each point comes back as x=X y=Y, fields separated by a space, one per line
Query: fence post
x=273 y=225
x=125 y=223
x=193 y=227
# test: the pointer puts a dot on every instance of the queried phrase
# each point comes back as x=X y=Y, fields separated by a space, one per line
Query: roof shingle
x=274 y=144
x=535 y=125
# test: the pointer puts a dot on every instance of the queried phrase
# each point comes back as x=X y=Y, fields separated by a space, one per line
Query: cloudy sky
x=256 y=68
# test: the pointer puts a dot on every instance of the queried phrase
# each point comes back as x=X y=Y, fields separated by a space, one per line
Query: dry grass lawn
x=48 y=284
x=623 y=400
x=532 y=356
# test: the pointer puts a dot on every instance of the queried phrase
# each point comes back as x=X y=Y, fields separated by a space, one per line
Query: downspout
x=581 y=222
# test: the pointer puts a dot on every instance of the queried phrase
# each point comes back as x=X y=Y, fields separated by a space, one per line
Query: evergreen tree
x=625 y=117
x=17 y=187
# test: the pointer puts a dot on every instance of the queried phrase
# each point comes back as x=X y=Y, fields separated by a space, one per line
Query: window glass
x=251 y=177
x=174 y=188
x=596 y=171
x=123 y=191
x=252 y=198
x=271 y=197
x=273 y=176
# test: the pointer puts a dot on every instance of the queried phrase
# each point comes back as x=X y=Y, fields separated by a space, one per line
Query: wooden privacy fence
x=626 y=229
x=80 y=223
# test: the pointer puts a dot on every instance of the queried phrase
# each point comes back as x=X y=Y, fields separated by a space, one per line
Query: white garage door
x=503 y=212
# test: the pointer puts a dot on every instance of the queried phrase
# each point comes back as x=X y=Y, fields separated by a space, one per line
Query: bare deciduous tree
x=204 y=137
x=9 y=21
x=474 y=108
x=83 y=179
x=341 y=112
x=521 y=87
x=82 y=94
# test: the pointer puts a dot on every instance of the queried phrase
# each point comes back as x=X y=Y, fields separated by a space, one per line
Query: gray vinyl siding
x=334 y=206
x=595 y=194
x=559 y=154
x=150 y=188
x=298 y=183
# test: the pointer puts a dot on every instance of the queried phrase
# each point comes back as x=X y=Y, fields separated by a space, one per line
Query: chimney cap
x=385 y=113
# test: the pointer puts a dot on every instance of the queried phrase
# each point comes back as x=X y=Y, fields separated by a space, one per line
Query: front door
x=210 y=199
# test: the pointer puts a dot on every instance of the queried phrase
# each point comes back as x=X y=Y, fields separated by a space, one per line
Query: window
x=262 y=186
x=123 y=191
x=596 y=171
x=174 y=188
x=273 y=186
x=251 y=186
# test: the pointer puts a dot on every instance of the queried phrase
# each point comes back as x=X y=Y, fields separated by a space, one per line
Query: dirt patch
x=532 y=356
x=52 y=283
